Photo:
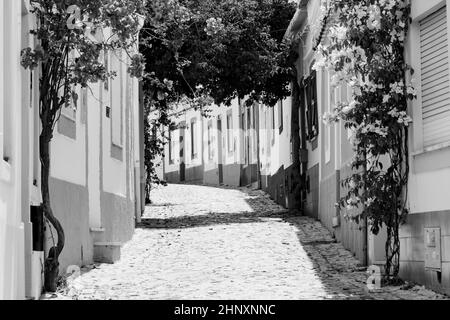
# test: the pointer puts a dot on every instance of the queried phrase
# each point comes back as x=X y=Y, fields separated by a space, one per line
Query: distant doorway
x=182 y=154
x=219 y=147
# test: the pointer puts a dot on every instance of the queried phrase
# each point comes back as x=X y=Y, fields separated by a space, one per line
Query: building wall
x=256 y=145
x=229 y=159
x=276 y=151
x=18 y=157
x=206 y=166
x=330 y=154
x=92 y=183
x=93 y=173
x=314 y=145
x=429 y=177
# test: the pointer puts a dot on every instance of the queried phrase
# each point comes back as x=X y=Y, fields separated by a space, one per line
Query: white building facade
x=96 y=175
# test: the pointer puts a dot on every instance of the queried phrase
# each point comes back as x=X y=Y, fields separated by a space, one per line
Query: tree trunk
x=51 y=262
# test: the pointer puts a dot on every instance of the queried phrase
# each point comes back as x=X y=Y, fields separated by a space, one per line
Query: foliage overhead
x=231 y=48
x=198 y=52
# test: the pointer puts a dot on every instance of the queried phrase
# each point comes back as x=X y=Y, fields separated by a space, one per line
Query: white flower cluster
x=375 y=127
x=374 y=19
x=401 y=116
x=352 y=203
x=213 y=26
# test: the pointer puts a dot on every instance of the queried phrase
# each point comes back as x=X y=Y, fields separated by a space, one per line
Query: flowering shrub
x=365 y=51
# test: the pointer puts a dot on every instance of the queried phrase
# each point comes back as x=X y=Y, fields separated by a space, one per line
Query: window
x=70 y=108
x=435 y=78
x=116 y=100
x=247 y=136
x=83 y=105
x=230 y=146
x=327 y=102
x=171 y=147
x=210 y=149
x=106 y=64
x=254 y=128
x=312 y=116
x=263 y=127
x=243 y=119
x=193 y=139
x=273 y=124
x=280 y=116
x=268 y=130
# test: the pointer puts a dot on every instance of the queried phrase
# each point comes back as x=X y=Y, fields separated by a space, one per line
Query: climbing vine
x=365 y=50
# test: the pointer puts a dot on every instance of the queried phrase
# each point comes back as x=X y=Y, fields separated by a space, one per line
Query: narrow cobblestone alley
x=200 y=242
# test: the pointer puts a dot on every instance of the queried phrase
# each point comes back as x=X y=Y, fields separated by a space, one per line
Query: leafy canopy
x=225 y=49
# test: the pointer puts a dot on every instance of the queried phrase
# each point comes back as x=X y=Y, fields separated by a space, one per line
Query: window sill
x=117 y=145
x=5 y=171
x=432 y=158
x=434 y=148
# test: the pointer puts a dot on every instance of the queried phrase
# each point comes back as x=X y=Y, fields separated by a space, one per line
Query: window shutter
x=116 y=99
x=435 y=78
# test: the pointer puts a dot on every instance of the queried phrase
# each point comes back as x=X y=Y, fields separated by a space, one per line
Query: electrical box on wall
x=432 y=239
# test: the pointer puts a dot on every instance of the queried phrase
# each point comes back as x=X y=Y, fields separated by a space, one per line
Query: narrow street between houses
x=200 y=242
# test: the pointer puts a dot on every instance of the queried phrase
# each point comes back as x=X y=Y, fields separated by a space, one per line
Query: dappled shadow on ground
x=337 y=269
x=213 y=218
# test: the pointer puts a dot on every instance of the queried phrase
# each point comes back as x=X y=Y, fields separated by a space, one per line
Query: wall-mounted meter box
x=432 y=239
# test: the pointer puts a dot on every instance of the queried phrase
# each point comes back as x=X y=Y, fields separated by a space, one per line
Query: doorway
x=219 y=147
x=182 y=153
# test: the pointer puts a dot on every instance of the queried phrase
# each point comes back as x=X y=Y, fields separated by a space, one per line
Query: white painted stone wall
x=429 y=181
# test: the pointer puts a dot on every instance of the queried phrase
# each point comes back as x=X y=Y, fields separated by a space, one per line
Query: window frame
x=119 y=81
x=210 y=140
x=171 y=151
x=193 y=134
x=230 y=144
x=312 y=118
x=280 y=116
x=414 y=58
x=272 y=126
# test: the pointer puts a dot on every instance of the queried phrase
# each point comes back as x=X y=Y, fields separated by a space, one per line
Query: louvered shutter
x=435 y=78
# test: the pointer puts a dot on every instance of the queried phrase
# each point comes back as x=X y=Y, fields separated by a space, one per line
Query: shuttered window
x=117 y=92
x=435 y=78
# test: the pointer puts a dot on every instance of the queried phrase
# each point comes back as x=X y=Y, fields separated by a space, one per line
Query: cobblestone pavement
x=200 y=242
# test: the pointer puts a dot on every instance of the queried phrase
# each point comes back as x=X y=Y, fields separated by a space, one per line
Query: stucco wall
x=70 y=206
x=117 y=218
x=412 y=250
x=327 y=208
